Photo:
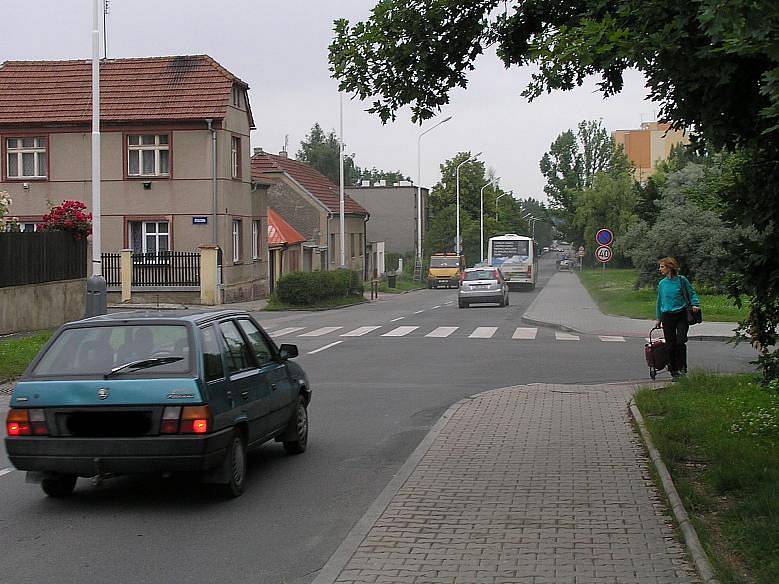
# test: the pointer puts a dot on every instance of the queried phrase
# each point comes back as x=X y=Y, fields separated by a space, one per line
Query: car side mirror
x=288 y=352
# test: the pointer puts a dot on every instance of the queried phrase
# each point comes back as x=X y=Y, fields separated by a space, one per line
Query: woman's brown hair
x=671 y=264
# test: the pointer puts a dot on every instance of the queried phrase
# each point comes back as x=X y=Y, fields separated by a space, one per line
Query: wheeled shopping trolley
x=656 y=354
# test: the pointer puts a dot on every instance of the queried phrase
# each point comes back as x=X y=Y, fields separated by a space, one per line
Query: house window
x=236 y=96
x=152 y=237
x=360 y=244
x=236 y=157
x=256 y=243
x=236 y=240
x=26 y=157
x=332 y=248
x=148 y=155
x=28 y=227
x=352 y=243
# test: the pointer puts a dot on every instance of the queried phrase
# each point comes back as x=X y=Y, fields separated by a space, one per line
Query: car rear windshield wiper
x=143 y=364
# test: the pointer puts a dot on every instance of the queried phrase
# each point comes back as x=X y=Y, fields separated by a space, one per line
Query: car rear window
x=97 y=350
x=480 y=275
x=444 y=263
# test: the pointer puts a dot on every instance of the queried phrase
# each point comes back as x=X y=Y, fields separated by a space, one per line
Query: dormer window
x=236 y=96
x=148 y=155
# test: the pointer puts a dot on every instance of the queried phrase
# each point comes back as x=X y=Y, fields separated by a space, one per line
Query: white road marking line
x=565 y=336
x=286 y=331
x=358 y=332
x=399 y=318
x=401 y=331
x=418 y=311
x=321 y=331
x=611 y=339
x=483 y=332
x=442 y=332
x=450 y=302
x=325 y=347
x=439 y=306
x=528 y=333
x=5 y=471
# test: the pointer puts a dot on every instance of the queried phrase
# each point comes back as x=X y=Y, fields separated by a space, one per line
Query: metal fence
x=169 y=268
x=41 y=256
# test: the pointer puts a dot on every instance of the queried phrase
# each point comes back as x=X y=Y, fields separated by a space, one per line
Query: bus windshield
x=509 y=251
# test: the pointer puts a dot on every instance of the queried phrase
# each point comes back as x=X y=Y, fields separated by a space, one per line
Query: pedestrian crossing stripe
x=565 y=336
x=401 y=331
x=441 y=332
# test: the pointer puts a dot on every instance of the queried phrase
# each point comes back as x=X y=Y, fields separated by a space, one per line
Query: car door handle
x=273 y=386
x=245 y=394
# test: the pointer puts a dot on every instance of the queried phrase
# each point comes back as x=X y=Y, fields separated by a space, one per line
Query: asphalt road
x=375 y=397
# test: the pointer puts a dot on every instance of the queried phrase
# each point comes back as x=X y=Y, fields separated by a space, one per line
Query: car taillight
x=185 y=420
x=529 y=271
x=26 y=423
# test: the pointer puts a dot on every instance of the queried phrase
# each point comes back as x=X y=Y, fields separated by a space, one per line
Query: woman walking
x=672 y=314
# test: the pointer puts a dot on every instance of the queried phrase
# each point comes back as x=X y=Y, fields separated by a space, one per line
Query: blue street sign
x=604 y=237
x=199 y=220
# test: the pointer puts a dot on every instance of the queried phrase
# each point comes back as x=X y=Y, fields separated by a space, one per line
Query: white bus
x=517 y=258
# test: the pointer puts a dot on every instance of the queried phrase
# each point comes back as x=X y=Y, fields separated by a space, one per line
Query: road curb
x=331 y=570
x=694 y=546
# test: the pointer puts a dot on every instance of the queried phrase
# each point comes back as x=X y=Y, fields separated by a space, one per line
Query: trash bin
x=391 y=279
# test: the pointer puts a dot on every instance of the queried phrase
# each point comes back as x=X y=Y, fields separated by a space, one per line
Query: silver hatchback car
x=483 y=285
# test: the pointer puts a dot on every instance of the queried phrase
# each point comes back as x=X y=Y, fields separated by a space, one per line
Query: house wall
x=393 y=215
x=647 y=146
x=298 y=210
x=185 y=194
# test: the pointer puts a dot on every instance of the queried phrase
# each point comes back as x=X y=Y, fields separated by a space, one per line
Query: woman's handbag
x=693 y=316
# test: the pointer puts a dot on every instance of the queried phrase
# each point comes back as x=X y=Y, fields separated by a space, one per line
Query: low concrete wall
x=41 y=306
x=161 y=296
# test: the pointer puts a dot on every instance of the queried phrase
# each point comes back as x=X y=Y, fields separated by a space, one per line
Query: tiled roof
x=266 y=165
x=281 y=232
x=191 y=87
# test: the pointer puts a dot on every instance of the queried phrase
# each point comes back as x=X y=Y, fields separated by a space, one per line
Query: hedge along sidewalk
x=613 y=289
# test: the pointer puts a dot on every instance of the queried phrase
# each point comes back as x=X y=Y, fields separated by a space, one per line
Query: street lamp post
x=496 y=203
x=457 y=242
x=481 y=215
x=419 y=185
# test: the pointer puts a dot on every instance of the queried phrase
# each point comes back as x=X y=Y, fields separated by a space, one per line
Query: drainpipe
x=365 y=247
x=327 y=241
x=213 y=180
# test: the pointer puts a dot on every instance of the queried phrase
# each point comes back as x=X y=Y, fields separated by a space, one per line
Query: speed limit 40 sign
x=603 y=254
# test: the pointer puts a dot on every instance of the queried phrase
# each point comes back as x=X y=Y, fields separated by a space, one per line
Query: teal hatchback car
x=139 y=392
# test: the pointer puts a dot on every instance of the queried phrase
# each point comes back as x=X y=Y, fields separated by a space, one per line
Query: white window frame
x=256 y=239
x=237 y=226
x=157 y=234
x=38 y=150
x=235 y=156
x=138 y=149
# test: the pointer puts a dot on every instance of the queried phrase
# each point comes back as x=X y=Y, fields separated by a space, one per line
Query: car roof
x=196 y=316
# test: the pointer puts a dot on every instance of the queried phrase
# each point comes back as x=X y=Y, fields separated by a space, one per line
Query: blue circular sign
x=604 y=237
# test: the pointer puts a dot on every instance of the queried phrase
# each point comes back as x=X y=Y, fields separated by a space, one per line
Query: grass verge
x=614 y=291
x=719 y=437
x=16 y=353
x=401 y=285
x=275 y=305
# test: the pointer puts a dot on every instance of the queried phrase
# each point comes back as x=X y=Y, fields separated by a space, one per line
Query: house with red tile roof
x=175 y=156
x=285 y=249
x=310 y=203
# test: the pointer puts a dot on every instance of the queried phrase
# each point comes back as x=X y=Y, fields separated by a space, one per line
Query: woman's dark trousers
x=675 y=329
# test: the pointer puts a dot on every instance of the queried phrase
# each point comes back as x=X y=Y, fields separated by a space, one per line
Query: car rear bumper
x=92 y=456
x=481 y=296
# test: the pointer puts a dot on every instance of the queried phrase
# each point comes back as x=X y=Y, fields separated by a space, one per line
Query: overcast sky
x=280 y=50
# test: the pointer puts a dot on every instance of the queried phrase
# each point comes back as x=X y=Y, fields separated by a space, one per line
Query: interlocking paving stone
x=540 y=483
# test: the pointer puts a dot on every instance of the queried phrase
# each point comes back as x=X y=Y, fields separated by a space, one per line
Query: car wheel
x=461 y=304
x=300 y=423
x=507 y=300
x=59 y=486
x=235 y=461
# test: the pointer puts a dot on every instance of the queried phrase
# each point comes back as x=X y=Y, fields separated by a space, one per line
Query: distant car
x=483 y=285
x=545 y=250
x=565 y=264
x=147 y=392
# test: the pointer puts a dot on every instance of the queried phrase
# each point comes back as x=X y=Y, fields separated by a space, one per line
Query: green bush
x=305 y=288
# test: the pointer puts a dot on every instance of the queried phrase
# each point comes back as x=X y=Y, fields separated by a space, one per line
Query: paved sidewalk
x=565 y=303
x=528 y=484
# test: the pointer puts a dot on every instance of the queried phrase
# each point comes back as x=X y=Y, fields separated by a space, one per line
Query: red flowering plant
x=68 y=216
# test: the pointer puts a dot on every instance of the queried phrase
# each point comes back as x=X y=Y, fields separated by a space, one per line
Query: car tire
x=507 y=300
x=299 y=427
x=235 y=463
x=59 y=486
x=461 y=304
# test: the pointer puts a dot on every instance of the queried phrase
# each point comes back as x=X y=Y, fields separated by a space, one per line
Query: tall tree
x=321 y=151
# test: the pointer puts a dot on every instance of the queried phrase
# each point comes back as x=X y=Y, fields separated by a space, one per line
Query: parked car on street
x=483 y=285
x=147 y=392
